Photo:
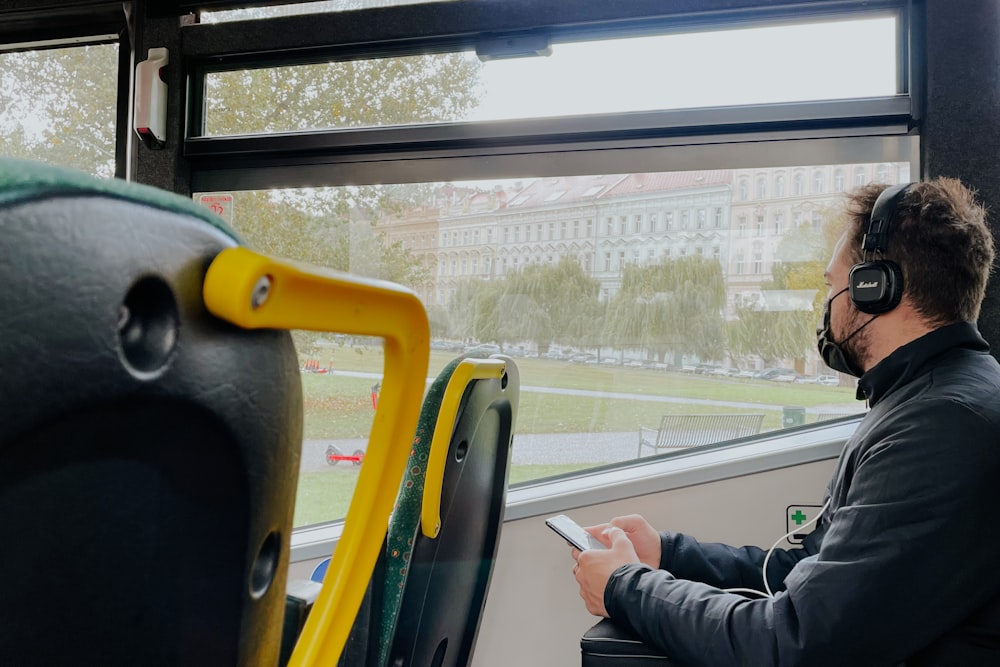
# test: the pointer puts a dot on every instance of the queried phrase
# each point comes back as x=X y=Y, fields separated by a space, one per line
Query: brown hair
x=941 y=242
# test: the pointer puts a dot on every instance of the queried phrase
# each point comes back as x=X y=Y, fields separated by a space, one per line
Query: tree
x=671 y=307
x=783 y=324
x=474 y=310
x=59 y=106
x=553 y=303
x=345 y=94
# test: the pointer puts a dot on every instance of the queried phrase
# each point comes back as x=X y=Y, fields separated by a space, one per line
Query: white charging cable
x=763 y=569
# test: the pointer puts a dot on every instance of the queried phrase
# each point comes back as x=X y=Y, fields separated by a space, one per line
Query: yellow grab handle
x=255 y=291
x=466 y=371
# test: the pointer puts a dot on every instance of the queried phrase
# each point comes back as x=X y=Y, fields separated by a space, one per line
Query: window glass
x=59 y=106
x=298 y=8
x=732 y=67
x=610 y=330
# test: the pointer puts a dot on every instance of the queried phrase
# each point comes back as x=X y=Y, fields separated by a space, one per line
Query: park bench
x=692 y=430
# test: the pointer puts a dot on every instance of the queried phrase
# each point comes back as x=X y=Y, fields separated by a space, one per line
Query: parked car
x=828 y=380
x=484 y=348
x=777 y=374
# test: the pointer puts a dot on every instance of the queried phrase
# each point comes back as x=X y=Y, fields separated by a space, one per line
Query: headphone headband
x=876 y=237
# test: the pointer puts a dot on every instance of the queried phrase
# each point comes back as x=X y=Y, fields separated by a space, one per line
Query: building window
x=744 y=190
x=799 y=185
x=701 y=218
x=761 y=188
x=817 y=182
x=669 y=220
x=778 y=224
x=839 y=181
x=882 y=175
x=760 y=226
x=779 y=186
x=741 y=226
x=758 y=263
x=718 y=217
x=859 y=176
x=685 y=218
x=607 y=261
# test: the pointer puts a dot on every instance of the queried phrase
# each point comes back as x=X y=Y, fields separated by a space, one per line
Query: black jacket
x=904 y=565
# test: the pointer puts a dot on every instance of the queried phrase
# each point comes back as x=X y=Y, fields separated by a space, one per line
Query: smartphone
x=573 y=533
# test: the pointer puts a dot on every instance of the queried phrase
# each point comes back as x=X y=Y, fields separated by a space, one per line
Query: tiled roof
x=669 y=180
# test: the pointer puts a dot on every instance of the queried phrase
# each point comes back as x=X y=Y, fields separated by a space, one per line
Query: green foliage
x=674 y=306
x=347 y=94
x=559 y=303
x=775 y=335
x=59 y=106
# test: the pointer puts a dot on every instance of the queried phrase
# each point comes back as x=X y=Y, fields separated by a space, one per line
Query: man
x=904 y=565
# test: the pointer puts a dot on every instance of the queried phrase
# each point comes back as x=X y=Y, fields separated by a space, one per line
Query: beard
x=857 y=348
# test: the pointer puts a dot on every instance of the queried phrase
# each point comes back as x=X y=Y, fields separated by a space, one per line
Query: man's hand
x=594 y=567
x=644 y=538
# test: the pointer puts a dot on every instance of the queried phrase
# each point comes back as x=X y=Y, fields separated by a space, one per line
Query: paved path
x=548 y=448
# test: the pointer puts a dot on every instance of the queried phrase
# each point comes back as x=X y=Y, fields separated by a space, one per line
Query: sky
x=828 y=60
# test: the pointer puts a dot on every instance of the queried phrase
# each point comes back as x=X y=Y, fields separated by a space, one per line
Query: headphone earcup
x=876 y=287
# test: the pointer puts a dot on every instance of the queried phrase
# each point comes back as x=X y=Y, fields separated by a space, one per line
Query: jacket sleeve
x=904 y=559
x=723 y=566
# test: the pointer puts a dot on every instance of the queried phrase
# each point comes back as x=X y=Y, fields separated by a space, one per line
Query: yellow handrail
x=466 y=371
x=255 y=291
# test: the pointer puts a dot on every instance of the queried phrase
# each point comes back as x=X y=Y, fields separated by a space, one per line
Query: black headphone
x=876 y=285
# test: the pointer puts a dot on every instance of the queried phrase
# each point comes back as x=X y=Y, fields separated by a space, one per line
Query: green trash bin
x=793 y=415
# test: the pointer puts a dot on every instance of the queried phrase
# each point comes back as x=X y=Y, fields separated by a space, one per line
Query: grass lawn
x=339 y=406
x=325 y=495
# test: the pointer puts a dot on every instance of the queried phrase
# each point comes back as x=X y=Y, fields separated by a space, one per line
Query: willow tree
x=673 y=307
x=474 y=310
x=549 y=303
x=782 y=324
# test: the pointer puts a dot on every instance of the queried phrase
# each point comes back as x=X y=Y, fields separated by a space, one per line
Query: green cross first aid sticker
x=796 y=519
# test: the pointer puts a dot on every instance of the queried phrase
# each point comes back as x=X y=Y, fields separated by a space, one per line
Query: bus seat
x=149 y=452
x=440 y=559
x=607 y=645
x=151 y=426
x=427 y=594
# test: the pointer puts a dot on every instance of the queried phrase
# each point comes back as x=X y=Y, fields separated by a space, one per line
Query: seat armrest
x=607 y=645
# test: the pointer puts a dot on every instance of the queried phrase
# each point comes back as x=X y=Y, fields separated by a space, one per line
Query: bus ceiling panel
x=436 y=26
x=841 y=117
x=243 y=174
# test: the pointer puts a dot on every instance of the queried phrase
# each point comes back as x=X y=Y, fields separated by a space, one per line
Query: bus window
x=59 y=106
x=623 y=298
x=298 y=8
x=783 y=63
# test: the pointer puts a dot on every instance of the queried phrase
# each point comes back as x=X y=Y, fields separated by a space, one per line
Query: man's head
x=944 y=250
x=941 y=243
